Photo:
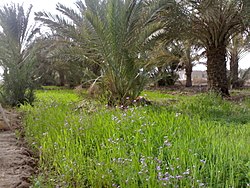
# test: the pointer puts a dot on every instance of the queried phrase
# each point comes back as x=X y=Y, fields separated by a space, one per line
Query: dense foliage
x=112 y=35
x=17 y=55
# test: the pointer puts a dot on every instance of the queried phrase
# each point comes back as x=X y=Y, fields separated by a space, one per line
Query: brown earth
x=16 y=162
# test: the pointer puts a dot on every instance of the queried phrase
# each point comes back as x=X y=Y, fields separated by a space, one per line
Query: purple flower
x=165 y=179
x=203 y=161
x=167 y=143
x=178 y=177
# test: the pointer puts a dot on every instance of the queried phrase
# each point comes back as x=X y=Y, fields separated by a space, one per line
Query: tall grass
x=199 y=142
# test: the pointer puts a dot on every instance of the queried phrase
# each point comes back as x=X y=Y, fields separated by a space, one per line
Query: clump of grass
x=213 y=108
x=183 y=145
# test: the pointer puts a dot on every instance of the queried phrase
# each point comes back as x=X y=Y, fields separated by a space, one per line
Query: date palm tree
x=17 y=54
x=191 y=53
x=213 y=22
x=237 y=48
x=111 y=34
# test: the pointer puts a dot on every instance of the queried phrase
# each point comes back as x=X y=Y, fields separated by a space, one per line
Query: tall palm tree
x=213 y=22
x=17 y=54
x=112 y=34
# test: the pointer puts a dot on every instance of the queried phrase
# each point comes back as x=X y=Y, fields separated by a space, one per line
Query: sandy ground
x=16 y=162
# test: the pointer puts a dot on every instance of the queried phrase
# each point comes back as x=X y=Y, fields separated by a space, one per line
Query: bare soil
x=16 y=162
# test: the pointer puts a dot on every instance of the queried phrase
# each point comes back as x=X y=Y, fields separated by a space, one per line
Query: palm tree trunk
x=61 y=78
x=189 y=70
x=234 y=68
x=217 y=70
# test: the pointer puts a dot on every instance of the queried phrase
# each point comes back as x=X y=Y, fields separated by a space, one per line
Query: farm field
x=179 y=140
x=125 y=94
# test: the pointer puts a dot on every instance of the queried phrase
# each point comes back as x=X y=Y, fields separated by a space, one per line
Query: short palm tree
x=111 y=34
x=17 y=54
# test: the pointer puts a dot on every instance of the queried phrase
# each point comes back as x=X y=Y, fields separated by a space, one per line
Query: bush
x=18 y=87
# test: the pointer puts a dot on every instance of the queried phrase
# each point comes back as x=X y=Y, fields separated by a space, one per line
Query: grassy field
x=179 y=141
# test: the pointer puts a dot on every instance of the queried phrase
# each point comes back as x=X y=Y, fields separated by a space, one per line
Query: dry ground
x=16 y=162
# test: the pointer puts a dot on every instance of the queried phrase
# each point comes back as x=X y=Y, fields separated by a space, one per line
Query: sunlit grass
x=199 y=141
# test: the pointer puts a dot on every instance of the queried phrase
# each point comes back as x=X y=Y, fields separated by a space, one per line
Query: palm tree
x=177 y=54
x=213 y=22
x=190 y=56
x=164 y=63
x=111 y=34
x=17 y=54
x=237 y=48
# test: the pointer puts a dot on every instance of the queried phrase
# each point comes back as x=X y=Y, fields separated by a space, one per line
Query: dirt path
x=16 y=162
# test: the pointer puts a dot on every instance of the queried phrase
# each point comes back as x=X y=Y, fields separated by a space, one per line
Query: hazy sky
x=38 y=5
x=49 y=5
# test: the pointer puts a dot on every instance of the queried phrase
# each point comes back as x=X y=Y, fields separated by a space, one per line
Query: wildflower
x=203 y=161
x=167 y=143
x=158 y=161
x=159 y=175
x=177 y=114
x=178 y=177
x=165 y=179
x=46 y=133
x=201 y=184
x=186 y=172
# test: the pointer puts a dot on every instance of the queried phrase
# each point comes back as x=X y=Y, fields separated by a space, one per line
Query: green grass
x=199 y=141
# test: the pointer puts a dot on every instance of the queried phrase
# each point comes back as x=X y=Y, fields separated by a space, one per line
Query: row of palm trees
x=115 y=40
